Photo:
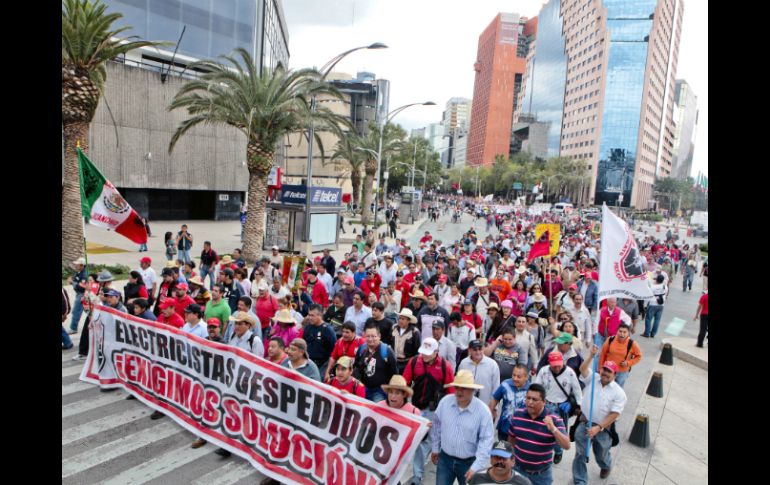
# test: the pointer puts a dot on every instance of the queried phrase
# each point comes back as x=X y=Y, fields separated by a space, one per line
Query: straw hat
x=243 y=317
x=521 y=269
x=538 y=297
x=284 y=316
x=464 y=378
x=418 y=294
x=398 y=383
x=405 y=312
x=171 y=264
x=226 y=260
x=481 y=282
x=195 y=280
x=493 y=305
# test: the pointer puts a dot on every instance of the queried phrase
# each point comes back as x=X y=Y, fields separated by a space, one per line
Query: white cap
x=429 y=346
x=275 y=247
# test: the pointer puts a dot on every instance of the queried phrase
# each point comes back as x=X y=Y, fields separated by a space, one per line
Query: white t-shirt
x=149 y=276
x=607 y=399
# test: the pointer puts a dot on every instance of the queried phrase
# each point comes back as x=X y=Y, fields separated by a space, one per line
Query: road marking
x=71 y=371
x=675 y=327
x=100 y=425
x=76 y=387
x=158 y=466
x=108 y=451
x=84 y=405
x=226 y=475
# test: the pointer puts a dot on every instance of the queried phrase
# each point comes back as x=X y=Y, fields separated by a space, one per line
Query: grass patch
x=119 y=271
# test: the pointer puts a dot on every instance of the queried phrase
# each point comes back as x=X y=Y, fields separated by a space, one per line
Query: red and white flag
x=621 y=268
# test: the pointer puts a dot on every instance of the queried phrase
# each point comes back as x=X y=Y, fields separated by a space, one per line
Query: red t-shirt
x=182 y=304
x=175 y=320
x=343 y=348
x=353 y=386
x=704 y=301
x=469 y=318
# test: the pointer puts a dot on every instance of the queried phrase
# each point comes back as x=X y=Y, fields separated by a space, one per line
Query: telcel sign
x=295 y=194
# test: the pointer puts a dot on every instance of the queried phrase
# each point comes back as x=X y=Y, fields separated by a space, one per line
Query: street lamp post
x=384 y=123
x=325 y=69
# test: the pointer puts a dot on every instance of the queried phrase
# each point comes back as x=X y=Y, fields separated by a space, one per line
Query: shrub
x=704 y=247
x=119 y=271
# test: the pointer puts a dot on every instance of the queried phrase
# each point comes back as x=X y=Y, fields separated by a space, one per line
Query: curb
x=687 y=353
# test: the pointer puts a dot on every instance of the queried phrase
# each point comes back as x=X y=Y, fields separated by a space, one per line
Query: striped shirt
x=534 y=443
x=463 y=433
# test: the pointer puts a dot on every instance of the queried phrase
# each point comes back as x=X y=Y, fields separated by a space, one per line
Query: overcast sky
x=433 y=44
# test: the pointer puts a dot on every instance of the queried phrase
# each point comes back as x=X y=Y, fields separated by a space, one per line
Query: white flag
x=621 y=271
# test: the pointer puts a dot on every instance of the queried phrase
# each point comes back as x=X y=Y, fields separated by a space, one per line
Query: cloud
x=335 y=13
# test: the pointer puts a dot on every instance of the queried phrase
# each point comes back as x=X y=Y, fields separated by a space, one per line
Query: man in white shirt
x=194 y=325
x=485 y=370
x=243 y=337
x=278 y=290
x=387 y=269
x=446 y=348
x=325 y=277
x=609 y=399
x=149 y=276
x=582 y=319
x=358 y=313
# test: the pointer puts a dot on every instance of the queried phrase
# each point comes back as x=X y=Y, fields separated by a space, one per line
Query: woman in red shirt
x=469 y=315
x=518 y=296
x=703 y=312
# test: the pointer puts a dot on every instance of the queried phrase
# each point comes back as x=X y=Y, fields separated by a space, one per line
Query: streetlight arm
x=327 y=68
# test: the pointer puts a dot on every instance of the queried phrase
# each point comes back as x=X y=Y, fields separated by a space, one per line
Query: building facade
x=205 y=177
x=686 y=125
x=542 y=92
x=455 y=119
x=500 y=66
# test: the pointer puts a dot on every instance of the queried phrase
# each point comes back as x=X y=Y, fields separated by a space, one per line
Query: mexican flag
x=103 y=206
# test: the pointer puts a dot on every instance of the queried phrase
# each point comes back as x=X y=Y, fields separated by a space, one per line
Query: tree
x=345 y=153
x=87 y=44
x=392 y=142
x=265 y=109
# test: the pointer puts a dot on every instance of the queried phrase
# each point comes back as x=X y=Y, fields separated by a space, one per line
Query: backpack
x=383 y=351
x=628 y=348
x=428 y=402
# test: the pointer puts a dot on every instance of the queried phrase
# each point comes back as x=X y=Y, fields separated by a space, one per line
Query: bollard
x=640 y=434
x=655 y=389
x=667 y=356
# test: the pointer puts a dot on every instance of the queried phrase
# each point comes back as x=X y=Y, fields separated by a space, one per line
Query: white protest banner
x=291 y=428
x=621 y=272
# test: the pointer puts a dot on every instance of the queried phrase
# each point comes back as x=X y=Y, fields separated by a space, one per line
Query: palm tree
x=265 y=109
x=88 y=42
x=345 y=152
x=392 y=142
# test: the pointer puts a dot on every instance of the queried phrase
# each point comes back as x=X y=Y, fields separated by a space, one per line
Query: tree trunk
x=355 y=179
x=72 y=237
x=370 y=167
x=259 y=164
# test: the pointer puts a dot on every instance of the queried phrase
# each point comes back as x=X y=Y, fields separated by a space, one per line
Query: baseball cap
x=563 y=338
x=167 y=303
x=345 y=362
x=610 y=365
x=182 y=286
x=502 y=449
x=572 y=287
x=555 y=358
x=437 y=324
x=475 y=344
x=111 y=292
x=193 y=308
x=533 y=315
x=350 y=280
x=146 y=260
x=429 y=346
x=213 y=322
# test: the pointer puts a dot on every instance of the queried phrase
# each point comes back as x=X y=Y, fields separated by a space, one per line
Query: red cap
x=610 y=365
x=182 y=286
x=213 y=321
x=555 y=358
x=168 y=302
x=350 y=280
x=145 y=260
x=442 y=277
x=572 y=287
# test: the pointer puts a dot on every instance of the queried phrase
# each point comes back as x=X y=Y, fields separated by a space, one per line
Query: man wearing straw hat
x=483 y=297
x=462 y=433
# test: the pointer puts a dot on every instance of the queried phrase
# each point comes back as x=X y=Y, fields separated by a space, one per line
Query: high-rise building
x=541 y=102
x=205 y=177
x=459 y=149
x=500 y=65
x=686 y=125
x=434 y=133
x=455 y=119
x=618 y=94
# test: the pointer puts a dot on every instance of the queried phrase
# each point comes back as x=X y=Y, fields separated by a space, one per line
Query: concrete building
x=460 y=149
x=541 y=100
x=434 y=133
x=686 y=126
x=618 y=108
x=205 y=177
x=500 y=65
x=361 y=104
x=455 y=119
x=530 y=135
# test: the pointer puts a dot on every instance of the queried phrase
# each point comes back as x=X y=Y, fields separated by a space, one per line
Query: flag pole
x=83 y=222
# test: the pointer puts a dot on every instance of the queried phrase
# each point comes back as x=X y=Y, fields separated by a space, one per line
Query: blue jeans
x=184 y=255
x=449 y=469
x=654 y=312
x=77 y=312
x=543 y=478
x=206 y=270
x=423 y=449
x=621 y=378
x=601 y=444
x=687 y=282
x=375 y=394
x=66 y=342
x=143 y=247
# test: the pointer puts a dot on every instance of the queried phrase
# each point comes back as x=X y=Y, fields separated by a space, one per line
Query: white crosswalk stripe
x=159 y=465
x=89 y=429
x=71 y=371
x=91 y=403
x=226 y=475
x=75 y=387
